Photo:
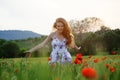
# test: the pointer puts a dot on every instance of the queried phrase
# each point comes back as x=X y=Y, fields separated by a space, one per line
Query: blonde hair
x=67 y=32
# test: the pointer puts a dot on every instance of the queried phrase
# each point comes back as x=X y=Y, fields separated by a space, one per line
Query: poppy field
x=82 y=68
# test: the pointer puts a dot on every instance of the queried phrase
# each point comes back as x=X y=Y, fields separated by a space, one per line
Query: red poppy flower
x=49 y=59
x=112 y=69
x=104 y=58
x=89 y=73
x=85 y=63
x=114 y=52
x=53 y=65
x=107 y=65
x=76 y=61
x=90 y=56
x=96 y=60
x=79 y=56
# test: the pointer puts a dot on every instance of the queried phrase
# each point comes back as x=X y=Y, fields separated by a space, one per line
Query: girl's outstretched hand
x=79 y=47
x=27 y=54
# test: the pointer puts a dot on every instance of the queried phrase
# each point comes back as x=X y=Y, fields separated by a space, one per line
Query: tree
x=10 y=49
x=88 y=44
x=111 y=40
x=2 y=41
x=86 y=25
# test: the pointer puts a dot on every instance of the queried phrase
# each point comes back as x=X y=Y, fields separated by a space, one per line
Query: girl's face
x=59 y=27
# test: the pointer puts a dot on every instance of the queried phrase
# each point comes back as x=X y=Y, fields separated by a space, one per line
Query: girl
x=61 y=38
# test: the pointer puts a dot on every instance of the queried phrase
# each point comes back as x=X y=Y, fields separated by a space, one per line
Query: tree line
x=90 y=33
x=94 y=37
x=92 y=43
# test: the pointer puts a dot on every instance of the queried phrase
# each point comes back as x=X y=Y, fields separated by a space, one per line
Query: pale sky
x=39 y=15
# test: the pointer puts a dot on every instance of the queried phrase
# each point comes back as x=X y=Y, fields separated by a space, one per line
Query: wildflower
x=104 y=58
x=112 y=69
x=79 y=56
x=53 y=65
x=114 y=52
x=16 y=71
x=115 y=63
x=89 y=73
x=84 y=62
x=90 y=56
x=96 y=60
x=49 y=58
x=76 y=61
x=107 y=65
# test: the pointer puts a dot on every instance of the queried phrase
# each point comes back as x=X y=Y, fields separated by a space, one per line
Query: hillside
x=17 y=34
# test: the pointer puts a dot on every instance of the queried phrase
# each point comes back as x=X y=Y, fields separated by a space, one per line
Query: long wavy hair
x=67 y=32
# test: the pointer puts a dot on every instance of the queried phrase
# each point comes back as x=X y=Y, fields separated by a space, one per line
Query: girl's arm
x=77 y=48
x=41 y=44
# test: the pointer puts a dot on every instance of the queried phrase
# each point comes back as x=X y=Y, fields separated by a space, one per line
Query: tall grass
x=39 y=69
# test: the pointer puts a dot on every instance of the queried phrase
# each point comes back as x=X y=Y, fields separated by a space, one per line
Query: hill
x=17 y=34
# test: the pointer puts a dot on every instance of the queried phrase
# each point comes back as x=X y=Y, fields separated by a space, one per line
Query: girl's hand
x=27 y=54
x=79 y=48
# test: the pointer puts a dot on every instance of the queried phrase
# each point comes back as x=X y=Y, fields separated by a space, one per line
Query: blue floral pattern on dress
x=59 y=52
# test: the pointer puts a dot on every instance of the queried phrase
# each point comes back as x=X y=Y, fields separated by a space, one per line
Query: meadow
x=83 y=68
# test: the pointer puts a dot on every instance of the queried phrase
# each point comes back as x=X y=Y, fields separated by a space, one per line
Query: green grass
x=39 y=69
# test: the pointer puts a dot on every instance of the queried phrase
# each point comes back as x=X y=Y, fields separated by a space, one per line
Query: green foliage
x=111 y=41
x=104 y=40
x=88 y=44
x=2 y=41
x=9 y=49
x=30 y=43
x=22 y=53
x=39 y=69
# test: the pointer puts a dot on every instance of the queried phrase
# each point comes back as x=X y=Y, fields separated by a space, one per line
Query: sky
x=39 y=15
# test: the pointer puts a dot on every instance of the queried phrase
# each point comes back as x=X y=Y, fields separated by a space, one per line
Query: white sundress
x=59 y=52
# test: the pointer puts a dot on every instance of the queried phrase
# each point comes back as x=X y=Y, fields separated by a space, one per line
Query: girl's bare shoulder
x=52 y=34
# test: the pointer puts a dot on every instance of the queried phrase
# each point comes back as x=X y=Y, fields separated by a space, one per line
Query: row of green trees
x=8 y=49
x=17 y=48
x=103 y=40
x=94 y=37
